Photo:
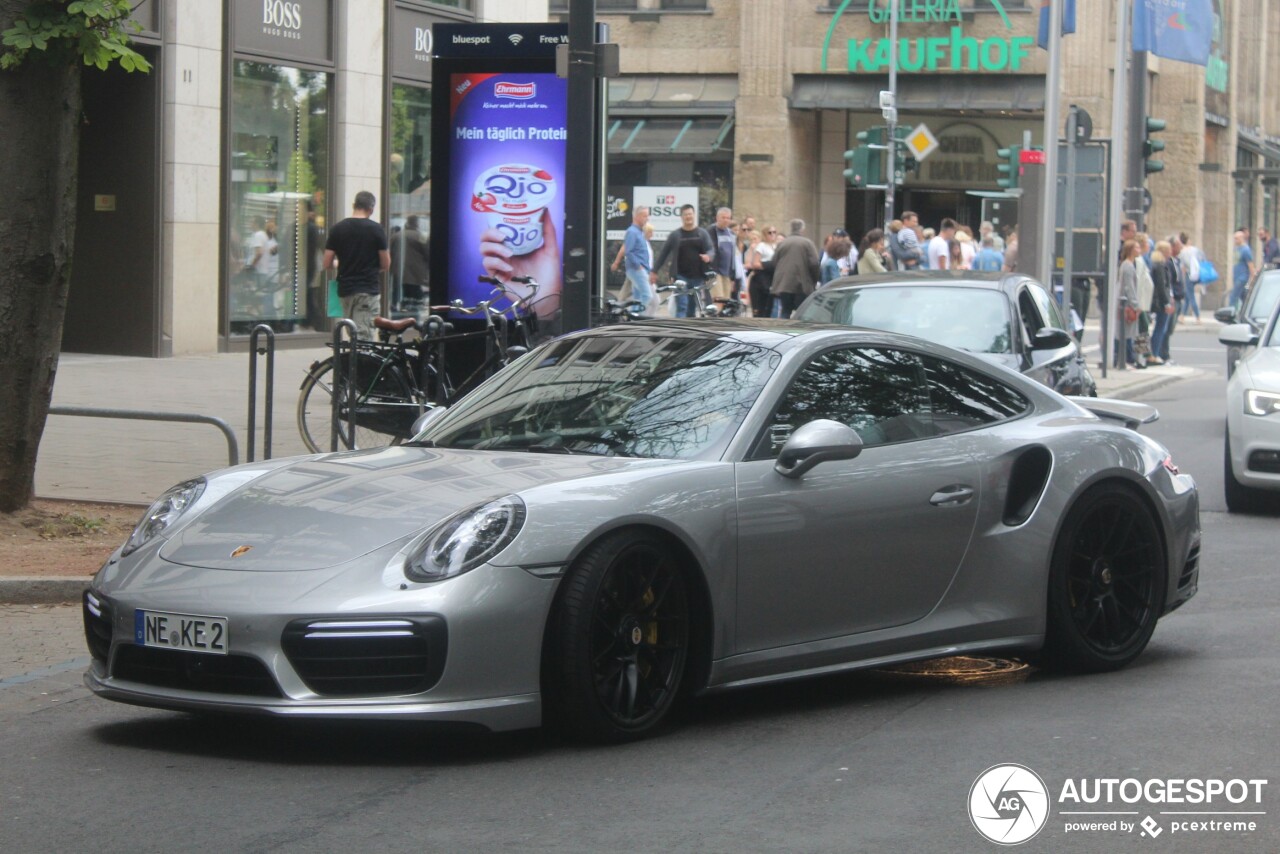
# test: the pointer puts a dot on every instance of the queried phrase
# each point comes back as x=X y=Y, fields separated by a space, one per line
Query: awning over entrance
x=1011 y=93
x=680 y=114
x=672 y=94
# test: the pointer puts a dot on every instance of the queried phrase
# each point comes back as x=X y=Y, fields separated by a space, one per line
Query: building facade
x=756 y=102
x=206 y=186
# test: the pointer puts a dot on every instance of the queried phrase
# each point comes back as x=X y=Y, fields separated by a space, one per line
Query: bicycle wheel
x=384 y=412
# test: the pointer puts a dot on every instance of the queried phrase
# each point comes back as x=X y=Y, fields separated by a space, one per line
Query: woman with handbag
x=1127 y=323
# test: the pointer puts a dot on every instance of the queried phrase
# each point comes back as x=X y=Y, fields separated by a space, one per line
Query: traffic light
x=866 y=162
x=1012 y=157
x=903 y=162
x=1150 y=146
x=858 y=173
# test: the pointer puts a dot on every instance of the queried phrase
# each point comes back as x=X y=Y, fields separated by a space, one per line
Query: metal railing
x=341 y=347
x=233 y=447
x=268 y=402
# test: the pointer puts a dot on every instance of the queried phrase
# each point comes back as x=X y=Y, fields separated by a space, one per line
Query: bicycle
x=397 y=379
x=704 y=305
x=625 y=312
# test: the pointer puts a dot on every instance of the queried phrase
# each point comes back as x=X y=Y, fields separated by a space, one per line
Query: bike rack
x=233 y=449
x=267 y=406
x=343 y=344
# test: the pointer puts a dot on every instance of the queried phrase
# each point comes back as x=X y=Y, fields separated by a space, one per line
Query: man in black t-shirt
x=359 y=245
x=690 y=249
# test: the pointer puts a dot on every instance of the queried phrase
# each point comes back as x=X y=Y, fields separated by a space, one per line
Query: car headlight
x=466 y=540
x=1261 y=402
x=166 y=510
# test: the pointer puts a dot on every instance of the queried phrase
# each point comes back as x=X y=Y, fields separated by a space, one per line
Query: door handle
x=948 y=496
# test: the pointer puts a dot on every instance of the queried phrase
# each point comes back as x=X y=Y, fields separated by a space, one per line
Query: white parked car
x=1252 y=459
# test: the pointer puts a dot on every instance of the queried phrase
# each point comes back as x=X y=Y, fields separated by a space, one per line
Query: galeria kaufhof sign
x=954 y=51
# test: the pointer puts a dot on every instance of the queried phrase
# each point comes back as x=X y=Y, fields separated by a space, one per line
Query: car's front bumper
x=477 y=660
x=1255 y=449
x=492 y=713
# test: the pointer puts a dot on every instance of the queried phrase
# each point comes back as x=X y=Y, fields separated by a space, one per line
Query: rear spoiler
x=1131 y=414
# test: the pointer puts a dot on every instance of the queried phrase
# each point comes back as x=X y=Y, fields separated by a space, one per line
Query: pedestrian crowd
x=1160 y=281
x=772 y=270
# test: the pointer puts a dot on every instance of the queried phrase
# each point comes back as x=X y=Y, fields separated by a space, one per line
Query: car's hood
x=323 y=511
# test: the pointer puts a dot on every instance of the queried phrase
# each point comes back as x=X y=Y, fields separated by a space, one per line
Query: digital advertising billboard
x=499 y=161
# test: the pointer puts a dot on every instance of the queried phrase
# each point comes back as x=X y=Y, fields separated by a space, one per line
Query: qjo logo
x=516 y=91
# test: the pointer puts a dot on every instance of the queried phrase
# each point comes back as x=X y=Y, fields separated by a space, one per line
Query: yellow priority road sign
x=921 y=142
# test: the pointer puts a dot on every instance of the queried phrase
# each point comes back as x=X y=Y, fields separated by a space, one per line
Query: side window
x=879 y=392
x=961 y=399
x=1048 y=307
x=1029 y=314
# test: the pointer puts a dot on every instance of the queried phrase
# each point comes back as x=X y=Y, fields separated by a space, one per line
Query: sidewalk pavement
x=95 y=459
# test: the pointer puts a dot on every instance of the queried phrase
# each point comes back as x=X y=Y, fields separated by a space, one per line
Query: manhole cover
x=961 y=670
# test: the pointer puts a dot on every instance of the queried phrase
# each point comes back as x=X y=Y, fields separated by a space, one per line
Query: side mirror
x=817 y=442
x=1048 y=338
x=1238 y=334
x=420 y=423
x=1225 y=315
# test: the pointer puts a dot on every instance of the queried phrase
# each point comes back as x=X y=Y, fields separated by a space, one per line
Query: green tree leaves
x=94 y=32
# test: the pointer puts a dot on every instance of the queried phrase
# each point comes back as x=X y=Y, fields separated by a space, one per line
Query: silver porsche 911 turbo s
x=628 y=516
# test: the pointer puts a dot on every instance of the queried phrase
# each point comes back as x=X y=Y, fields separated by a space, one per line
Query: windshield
x=973 y=319
x=1266 y=292
x=613 y=395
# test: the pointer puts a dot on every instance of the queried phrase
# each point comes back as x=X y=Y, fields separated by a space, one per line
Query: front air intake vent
x=97 y=626
x=344 y=657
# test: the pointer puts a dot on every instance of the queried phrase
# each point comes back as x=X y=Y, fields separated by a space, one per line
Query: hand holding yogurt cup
x=520 y=239
x=542 y=264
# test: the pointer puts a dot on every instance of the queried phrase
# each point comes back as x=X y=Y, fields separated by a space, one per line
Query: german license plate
x=189 y=632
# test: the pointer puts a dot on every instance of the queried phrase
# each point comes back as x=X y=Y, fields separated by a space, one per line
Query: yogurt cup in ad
x=513 y=196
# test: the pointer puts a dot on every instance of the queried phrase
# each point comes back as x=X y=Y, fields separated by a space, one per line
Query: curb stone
x=41 y=590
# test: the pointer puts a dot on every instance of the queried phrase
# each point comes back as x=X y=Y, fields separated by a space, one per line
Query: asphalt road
x=867 y=762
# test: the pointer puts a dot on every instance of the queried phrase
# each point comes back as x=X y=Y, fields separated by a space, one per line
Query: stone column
x=358 y=111
x=191 y=130
x=772 y=191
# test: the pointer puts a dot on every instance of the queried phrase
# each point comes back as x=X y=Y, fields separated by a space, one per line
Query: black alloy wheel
x=1106 y=582
x=621 y=638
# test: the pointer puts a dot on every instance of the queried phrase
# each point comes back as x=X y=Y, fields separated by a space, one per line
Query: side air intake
x=1026 y=483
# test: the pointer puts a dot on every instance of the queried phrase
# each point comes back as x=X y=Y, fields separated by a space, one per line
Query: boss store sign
x=288 y=29
x=413 y=42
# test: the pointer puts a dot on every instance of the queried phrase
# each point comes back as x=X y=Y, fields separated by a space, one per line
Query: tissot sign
x=949 y=50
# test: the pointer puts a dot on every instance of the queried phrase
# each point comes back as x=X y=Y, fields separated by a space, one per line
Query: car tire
x=620 y=636
x=1107 y=581
x=1240 y=498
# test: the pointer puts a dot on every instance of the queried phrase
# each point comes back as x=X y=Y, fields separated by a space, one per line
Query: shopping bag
x=335 y=303
x=1208 y=272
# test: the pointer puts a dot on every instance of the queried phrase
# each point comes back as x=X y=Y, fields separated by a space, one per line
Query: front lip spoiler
x=496 y=714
